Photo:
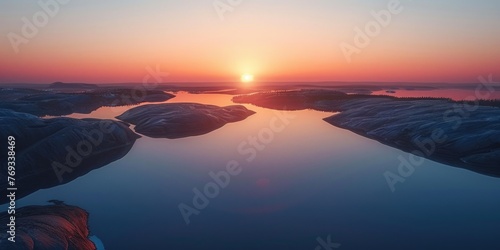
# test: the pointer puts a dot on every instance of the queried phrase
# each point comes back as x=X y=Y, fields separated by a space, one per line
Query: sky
x=275 y=40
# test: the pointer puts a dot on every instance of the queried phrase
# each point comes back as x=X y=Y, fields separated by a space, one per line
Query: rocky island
x=46 y=227
x=50 y=152
x=461 y=134
x=55 y=103
x=177 y=120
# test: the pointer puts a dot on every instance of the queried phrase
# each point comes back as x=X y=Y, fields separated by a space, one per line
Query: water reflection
x=314 y=179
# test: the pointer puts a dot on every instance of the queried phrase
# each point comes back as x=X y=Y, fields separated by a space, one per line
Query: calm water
x=312 y=180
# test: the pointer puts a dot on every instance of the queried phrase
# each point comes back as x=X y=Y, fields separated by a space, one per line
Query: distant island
x=62 y=85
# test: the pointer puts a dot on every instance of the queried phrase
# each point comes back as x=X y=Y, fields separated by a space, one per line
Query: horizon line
x=255 y=82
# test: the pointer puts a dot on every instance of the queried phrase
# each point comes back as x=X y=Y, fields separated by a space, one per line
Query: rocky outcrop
x=50 y=152
x=177 y=120
x=46 y=227
x=42 y=103
x=436 y=129
x=462 y=134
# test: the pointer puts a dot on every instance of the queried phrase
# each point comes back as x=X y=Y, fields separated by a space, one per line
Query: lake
x=306 y=182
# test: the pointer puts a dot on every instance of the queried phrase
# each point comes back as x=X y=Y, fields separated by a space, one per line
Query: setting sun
x=247 y=78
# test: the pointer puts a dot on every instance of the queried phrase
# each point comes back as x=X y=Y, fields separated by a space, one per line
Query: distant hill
x=62 y=85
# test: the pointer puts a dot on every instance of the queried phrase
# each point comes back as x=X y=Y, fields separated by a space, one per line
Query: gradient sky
x=276 y=40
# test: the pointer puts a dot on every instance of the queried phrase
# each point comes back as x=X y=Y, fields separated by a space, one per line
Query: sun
x=246 y=78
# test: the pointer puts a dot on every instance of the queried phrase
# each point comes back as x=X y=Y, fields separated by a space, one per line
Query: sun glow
x=246 y=78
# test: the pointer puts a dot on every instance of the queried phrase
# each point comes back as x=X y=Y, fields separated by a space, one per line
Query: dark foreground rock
x=42 y=103
x=47 y=227
x=461 y=134
x=177 y=120
x=50 y=152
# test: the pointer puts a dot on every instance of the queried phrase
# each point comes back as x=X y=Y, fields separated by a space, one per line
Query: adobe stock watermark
x=363 y=37
x=249 y=149
x=224 y=6
x=31 y=26
x=84 y=148
x=427 y=145
x=93 y=138
x=150 y=81
x=326 y=244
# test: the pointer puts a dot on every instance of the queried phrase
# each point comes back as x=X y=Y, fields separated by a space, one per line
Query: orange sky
x=114 y=42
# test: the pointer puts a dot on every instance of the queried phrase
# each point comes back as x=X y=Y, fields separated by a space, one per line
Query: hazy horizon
x=237 y=84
